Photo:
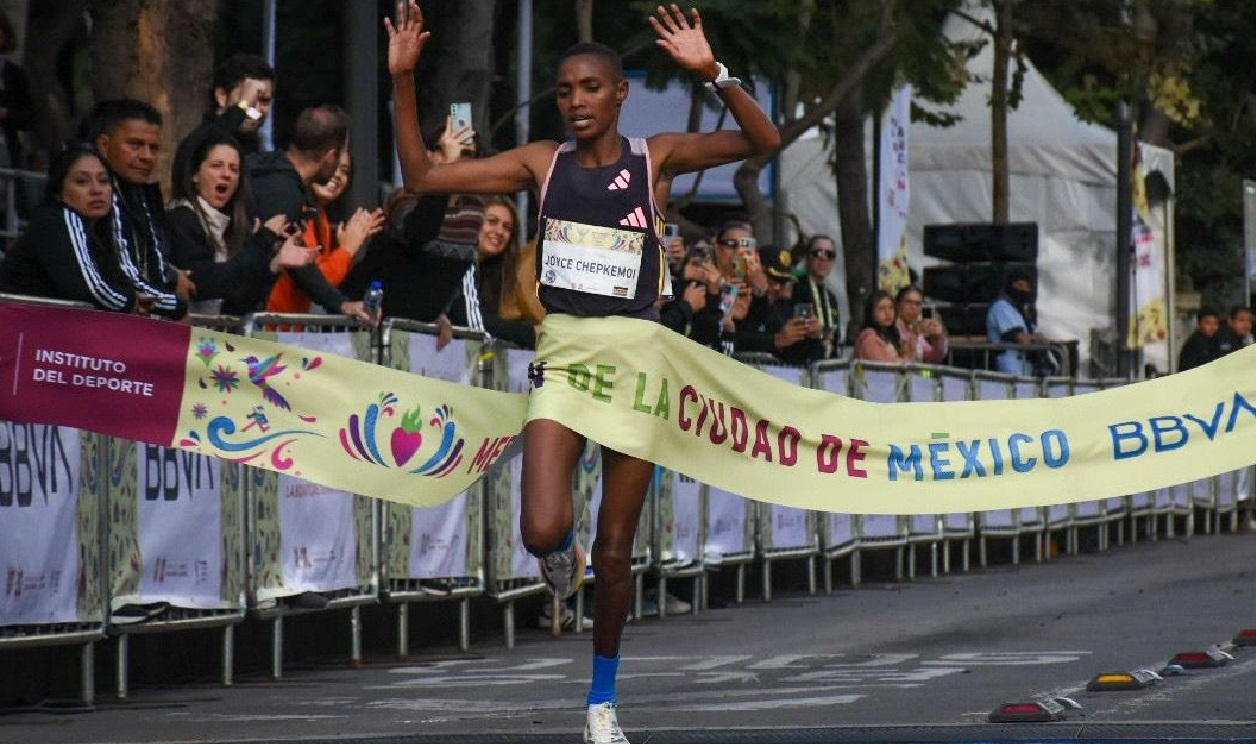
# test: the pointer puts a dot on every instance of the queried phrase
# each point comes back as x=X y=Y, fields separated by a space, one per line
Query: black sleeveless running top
x=594 y=224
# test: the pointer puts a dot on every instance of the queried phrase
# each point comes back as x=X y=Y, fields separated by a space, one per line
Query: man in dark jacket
x=244 y=86
x=128 y=133
x=1201 y=346
x=281 y=181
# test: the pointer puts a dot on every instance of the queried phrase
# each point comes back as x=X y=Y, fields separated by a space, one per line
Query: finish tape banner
x=630 y=385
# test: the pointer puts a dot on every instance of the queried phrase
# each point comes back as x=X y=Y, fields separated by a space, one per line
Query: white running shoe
x=601 y=726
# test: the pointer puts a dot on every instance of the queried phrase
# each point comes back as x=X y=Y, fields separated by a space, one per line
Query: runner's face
x=496 y=231
x=87 y=188
x=589 y=96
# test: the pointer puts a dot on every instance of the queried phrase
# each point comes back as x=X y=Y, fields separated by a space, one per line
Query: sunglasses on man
x=830 y=255
x=738 y=242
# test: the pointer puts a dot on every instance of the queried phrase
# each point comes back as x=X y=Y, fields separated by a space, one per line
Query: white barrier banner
x=686 y=517
x=438 y=547
x=789 y=524
x=789 y=528
x=438 y=540
x=180 y=527
x=726 y=520
x=524 y=564
x=319 y=548
x=39 y=546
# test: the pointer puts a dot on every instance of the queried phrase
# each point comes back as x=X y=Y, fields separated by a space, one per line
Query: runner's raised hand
x=685 y=40
x=406 y=38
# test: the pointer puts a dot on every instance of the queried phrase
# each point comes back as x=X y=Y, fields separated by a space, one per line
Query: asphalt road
x=913 y=661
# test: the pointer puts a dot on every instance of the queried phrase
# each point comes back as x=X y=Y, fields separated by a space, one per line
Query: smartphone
x=671 y=230
x=926 y=312
x=802 y=310
x=461 y=114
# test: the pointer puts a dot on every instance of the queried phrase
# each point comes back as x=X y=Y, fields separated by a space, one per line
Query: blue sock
x=567 y=541
x=602 y=689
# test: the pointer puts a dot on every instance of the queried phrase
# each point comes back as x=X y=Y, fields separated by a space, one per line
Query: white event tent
x=1062 y=176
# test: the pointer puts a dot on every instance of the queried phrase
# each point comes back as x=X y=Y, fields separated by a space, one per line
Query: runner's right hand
x=406 y=38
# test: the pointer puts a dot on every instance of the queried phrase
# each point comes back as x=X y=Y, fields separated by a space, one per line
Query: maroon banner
x=121 y=375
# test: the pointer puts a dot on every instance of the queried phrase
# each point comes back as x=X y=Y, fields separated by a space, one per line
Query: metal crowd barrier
x=837 y=531
x=513 y=573
x=291 y=574
x=176 y=540
x=997 y=523
x=677 y=534
x=783 y=532
x=879 y=383
x=51 y=543
x=924 y=385
x=117 y=496
x=434 y=553
x=11 y=179
x=980 y=355
x=957 y=385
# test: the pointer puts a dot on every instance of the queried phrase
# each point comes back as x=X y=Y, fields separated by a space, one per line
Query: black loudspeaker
x=964 y=320
x=970 y=282
x=969 y=242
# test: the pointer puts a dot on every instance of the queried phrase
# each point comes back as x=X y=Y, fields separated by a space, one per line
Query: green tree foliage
x=1190 y=66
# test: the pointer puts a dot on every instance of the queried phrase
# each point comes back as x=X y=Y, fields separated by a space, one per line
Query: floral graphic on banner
x=360 y=437
x=238 y=427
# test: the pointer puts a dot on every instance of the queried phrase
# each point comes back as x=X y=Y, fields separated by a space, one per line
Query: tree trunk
x=55 y=110
x=584 y=20
x=998 y=110
x=462 y=65
x=850 y=170
x=746 y=180
x=158 y=51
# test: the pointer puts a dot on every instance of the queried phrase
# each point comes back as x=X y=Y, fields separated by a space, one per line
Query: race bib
x=591 y=259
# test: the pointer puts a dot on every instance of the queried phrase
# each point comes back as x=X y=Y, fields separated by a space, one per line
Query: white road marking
x=791 y=702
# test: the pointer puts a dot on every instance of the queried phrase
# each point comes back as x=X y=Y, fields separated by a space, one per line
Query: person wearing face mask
x=234 y=260
x=67 y=251
x=336 y=246
x=1008 y=322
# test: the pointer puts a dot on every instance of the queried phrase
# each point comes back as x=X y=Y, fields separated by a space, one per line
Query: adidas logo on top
x=635 y=218
x=621 y=181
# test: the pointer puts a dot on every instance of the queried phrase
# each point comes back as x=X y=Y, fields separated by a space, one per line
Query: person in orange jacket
x=337 y=245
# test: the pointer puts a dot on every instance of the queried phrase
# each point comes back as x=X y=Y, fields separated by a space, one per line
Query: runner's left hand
x=685 y=40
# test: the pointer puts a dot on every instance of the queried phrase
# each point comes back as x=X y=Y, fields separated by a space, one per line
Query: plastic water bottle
x=374 y=298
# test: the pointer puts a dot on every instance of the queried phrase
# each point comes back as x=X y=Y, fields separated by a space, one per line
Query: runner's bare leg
x=625 y=480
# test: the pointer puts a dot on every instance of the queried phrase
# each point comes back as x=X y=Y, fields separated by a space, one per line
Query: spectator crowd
x=243 y=230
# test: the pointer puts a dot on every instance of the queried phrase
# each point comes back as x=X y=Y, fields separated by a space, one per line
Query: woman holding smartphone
x=602 y=183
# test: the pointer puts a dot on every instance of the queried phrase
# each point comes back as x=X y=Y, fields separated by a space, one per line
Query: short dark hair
x=319 y=129
x=811 y=243
x=1234 y=311
x=734 y=224
x=106 y=116
x=594 y=49
x=1207 y=311
x=902 y=292
x=237 y=67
